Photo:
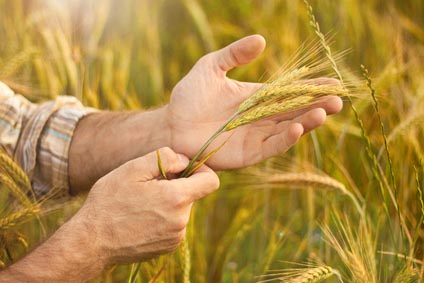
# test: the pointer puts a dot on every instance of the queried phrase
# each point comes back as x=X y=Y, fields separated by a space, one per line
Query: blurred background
x=128 y=55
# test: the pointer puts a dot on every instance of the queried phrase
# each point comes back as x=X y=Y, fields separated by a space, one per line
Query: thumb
x=146 y=168
x=238 y=53
x=203 y=182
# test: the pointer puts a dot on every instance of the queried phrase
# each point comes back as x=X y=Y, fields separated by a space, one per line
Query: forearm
x=105 y=140
x=69 y=255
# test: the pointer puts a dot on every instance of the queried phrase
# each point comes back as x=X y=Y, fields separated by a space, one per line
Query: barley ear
x=15 y=190
x=20 y=216
x=185 y=250
x=314 y=275
x=14 y=170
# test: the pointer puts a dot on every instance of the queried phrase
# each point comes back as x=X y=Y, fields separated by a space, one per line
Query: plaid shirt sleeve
x=38 y=137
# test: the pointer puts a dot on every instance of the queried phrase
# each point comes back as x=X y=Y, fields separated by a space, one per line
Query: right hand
x=133 y=216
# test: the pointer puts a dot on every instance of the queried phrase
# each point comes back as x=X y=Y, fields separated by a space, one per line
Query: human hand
x=135 y=216
x=205 y=98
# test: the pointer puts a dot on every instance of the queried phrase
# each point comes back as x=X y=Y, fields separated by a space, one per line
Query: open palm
x=205 y=98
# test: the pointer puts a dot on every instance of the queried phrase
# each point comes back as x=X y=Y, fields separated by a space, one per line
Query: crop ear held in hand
x=298 y=85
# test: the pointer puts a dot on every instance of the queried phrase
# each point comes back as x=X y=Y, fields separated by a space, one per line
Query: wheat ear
x=263 y=111
x=16 y=62
x=306 y=179
x=314 y=275
x=372 y=157
x=18 y=217
x=185 y=251
x=14 y=170
x=15 y=190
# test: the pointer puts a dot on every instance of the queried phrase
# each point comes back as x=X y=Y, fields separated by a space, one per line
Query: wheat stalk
x=135 y=268
x=371 y=155
x=408 y=259
x=386 y=144
x=420 y=196
x=420 y=221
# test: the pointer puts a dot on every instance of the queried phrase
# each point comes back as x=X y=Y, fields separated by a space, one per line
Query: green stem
x=134 y=271
x=207 y=143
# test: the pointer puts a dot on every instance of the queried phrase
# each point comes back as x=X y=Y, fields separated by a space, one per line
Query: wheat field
x=345 y=204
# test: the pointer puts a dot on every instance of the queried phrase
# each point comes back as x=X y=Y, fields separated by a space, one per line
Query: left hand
x=205 y=98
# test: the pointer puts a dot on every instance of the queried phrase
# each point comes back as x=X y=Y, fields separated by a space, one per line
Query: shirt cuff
x=50 y=173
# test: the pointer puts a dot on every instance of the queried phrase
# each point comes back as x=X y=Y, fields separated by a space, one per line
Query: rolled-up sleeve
x=38 y=137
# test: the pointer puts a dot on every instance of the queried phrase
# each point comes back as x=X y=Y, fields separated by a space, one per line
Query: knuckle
x=179 y=200
x=106 y=182
x=180 y=236
x=177 y=204
x=179 y=224
x=176 y=199
x=166 y=151
x=169 y=155
x=128 y=167
x=176 y=240
x=205 y=60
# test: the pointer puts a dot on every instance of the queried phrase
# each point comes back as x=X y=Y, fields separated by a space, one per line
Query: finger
x=238 y=53
x=281 y=142
x=311 y=119
x=332 y=105
x=203 y=182
x=146 y=168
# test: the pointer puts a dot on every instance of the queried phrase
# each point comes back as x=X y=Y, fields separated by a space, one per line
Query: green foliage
x=129 y=54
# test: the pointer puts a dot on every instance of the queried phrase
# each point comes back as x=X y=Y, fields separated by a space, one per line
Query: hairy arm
x=103 y=141
x=67 y=256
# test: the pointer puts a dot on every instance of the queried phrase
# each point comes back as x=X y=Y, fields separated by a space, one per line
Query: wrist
x=157 y=129
x=105 y=140
x=79 y=238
